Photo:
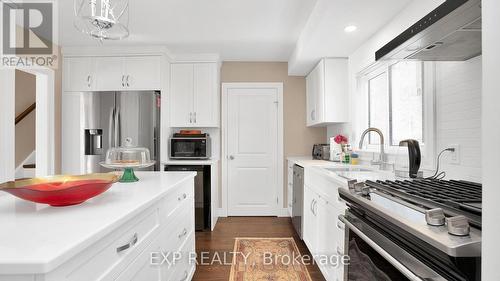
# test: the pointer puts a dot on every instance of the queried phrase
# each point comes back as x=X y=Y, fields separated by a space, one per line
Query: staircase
x=27 y=168
x=29 y=171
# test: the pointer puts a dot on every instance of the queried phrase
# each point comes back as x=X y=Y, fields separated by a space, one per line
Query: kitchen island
x=110 y=237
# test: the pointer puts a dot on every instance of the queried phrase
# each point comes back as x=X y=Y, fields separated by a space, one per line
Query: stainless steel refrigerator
x=111 y=117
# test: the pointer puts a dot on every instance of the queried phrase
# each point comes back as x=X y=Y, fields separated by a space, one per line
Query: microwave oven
x=188 y=147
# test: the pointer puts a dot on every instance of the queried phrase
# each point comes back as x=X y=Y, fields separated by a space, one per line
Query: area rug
x=267 y=259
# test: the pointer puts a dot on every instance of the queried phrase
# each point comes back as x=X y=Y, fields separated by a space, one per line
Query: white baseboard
x=221 y=213
x=282 y=213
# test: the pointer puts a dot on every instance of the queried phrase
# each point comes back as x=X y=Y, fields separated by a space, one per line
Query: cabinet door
x=310 y=220
x=336 y=98
x=78 y=74
x=110 y=74
x=143 y=73
x=71 y=133
x=181 y=95
x=311 y=93
x=328 y=238
x=205 y=107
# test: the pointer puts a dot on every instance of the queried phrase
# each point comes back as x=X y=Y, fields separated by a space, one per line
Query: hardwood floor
x=222 y=241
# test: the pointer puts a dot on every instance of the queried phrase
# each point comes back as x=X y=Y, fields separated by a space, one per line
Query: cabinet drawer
x=118 y=249
x=178 y=196
x=141 y=268
x=183 y=269
x=176 y=233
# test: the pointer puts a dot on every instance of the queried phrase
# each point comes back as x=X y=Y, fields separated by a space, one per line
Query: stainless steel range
x=419 y=229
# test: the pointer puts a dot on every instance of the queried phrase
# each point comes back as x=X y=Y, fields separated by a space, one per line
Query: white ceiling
x=298 y=31
x=324 y=36
x=255 y=30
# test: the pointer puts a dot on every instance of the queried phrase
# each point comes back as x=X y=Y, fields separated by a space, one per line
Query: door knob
x=231 y=157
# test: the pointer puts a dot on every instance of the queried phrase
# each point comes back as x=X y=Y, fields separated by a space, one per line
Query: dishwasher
x=298 y=198
x=202 y=195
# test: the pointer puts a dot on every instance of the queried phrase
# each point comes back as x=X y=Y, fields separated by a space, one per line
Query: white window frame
x=429 y=111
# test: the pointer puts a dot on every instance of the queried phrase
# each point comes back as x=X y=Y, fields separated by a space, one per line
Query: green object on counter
x=129 y=176
x=346 y=159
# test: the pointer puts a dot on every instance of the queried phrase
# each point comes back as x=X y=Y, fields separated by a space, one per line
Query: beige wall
x=25 y=92
x=298 y=139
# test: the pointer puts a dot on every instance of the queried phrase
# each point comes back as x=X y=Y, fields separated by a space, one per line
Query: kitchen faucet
x=383 y=157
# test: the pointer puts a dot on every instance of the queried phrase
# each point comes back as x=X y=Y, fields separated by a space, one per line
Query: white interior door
x=252 y=151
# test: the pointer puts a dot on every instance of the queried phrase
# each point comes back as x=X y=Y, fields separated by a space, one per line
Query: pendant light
x=102 y=19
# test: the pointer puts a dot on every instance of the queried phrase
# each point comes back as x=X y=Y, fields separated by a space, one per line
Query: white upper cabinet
x=79 y=74
x=112 y=73
x=181 y=95
x=194 y=98
x=109 y=74
x=143 y=73
x=327 y=93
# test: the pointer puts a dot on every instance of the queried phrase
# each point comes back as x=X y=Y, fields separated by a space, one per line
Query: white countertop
x=37 y=238
x=345 y=176
x=322 y=166
x=308 y=161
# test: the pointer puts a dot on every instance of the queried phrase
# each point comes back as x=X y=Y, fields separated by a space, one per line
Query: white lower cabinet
x=310 y=220
x=126 y=253
x=290 y=188
x=141 y=268
x=322 y=232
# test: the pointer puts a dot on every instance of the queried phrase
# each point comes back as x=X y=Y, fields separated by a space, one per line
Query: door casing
x=281 y=210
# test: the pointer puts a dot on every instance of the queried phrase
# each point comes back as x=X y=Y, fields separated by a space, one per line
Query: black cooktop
x=453 y=196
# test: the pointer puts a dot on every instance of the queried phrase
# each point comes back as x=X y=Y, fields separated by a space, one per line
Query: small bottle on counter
x=354 y=159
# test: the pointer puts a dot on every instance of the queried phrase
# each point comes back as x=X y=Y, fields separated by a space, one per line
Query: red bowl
x=60 y=190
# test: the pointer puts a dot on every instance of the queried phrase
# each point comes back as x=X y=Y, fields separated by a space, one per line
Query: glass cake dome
x=127 y=158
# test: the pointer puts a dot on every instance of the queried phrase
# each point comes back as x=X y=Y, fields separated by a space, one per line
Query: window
x=378 y=101
x=406 y=113
x=395 y=102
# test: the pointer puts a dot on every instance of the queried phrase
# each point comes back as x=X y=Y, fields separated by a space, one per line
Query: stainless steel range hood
x=451 y=32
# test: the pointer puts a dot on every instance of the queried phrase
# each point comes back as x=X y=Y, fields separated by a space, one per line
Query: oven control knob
x=458 y=225
x=358 y=187
x=435 y=217
x=365 y=190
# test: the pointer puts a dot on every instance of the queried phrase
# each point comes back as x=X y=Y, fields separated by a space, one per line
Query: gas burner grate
x=453 y=196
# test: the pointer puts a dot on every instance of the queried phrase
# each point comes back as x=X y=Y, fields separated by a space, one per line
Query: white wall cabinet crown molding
x=327 y=93
x=194 y=95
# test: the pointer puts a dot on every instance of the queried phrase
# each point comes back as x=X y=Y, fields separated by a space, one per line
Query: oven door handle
x=417 y=265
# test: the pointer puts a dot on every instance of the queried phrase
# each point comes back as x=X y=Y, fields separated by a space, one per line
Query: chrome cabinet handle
x=339 y=251
x=88 y=81
x=123 y=83
x=190 y=117
x=183 y=233
x=132 y=242
x=231 y=157
x=314 y=207
x=195 y=117
x=128 y=84
x=183 y=196
x=340 y=226
x=185 y=276
x=311 y=206
x=313 y=114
